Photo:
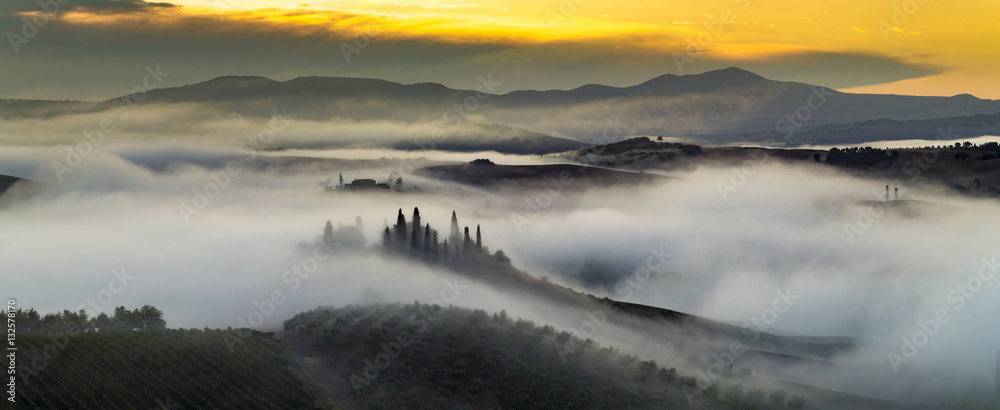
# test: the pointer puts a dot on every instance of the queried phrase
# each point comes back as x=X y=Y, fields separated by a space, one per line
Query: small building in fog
x=365 y=184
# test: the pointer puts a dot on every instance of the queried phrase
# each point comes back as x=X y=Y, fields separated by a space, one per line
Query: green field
x=159 y=369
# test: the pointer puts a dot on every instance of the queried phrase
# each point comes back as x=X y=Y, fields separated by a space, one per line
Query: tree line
x=122 y=319
x=416 y=238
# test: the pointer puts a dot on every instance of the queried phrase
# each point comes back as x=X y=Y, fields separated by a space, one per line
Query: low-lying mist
x=723 y=243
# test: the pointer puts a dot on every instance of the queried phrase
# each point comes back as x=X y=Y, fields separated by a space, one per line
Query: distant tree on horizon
x=328 y=232
x=427 y=239
x=437 y=247
x=454 y=226
x=416 y=227
x=454 y=232
x=400 y=230
x=413 y=240
x=467 y=245
x=502 y=257
x=479 y=240
x=102 y=322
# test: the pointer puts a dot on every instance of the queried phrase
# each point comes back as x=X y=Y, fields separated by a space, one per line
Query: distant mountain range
x=725 y=105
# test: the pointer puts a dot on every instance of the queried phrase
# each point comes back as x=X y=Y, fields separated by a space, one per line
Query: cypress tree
x=416 y=227
x=328 y=233
x=467 y=245
x=479 y=240
x=427 y=239
x=454 y=228
x=436 y=248
x=386 y=240
x=400 y=230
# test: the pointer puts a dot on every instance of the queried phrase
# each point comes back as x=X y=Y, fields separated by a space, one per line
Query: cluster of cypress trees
x=407 y=238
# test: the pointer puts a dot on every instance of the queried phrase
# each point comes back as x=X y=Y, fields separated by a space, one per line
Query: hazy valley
x=695 y=241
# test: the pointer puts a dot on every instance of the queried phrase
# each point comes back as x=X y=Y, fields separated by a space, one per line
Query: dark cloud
x=93 y=6
x=98 y=61
x=838 y=69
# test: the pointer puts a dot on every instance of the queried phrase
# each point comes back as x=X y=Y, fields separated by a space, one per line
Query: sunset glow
x=884 y=46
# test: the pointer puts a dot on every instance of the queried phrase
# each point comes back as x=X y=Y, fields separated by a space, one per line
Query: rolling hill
x=729 y=104
x=483 y=172
x=172 y=368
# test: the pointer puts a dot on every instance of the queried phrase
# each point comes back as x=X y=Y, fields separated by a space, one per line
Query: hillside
x=872 y=130
x=969 y=169
x=434 y=357
x=810 y=361
x=421 y=356
x=485 y=173
x=159 y=369
x=722 y=104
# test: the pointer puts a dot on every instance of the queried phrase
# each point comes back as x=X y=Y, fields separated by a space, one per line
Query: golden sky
x=921 y=47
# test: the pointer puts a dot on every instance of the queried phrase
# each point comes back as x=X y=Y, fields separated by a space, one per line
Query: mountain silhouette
x=727 y=101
